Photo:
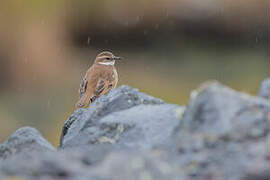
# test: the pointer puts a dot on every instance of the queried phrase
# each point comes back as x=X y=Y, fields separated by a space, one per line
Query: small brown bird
x=100 y=78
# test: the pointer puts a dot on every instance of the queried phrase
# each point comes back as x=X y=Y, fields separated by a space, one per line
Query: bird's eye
x=107 y=58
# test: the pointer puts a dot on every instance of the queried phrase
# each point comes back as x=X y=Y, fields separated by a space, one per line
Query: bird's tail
x=83 y=101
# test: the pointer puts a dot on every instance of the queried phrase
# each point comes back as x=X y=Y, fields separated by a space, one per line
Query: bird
x=99 y=79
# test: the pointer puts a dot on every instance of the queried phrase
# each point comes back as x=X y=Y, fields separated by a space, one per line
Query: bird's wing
x=103 y=87
x=87 y=87
x=88 y=83
x=100 y=87
x=83 y=86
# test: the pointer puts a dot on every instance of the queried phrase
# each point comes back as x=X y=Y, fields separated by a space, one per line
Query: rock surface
x=126 y=117
x=46 y=165
x=78 y=165
x=219 y=110
x=24 y=141
x=221 y=134
x=264 y=90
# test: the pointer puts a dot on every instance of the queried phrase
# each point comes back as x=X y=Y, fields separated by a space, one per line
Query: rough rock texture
x=25 y=140
x=124 y=97
x=46 y=165
x=221 y=111
x=264 y=90
x=78 y=165
x=147 y=166
x=126 y=117
x=221 y=134
x=259 y=170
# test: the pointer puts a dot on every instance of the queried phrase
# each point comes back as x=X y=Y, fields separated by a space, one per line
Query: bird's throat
x=111 y=63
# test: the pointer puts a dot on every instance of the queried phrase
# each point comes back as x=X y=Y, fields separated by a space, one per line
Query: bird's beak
x=117 y=58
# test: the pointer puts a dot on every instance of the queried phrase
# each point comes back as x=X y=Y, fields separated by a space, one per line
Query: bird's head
x=106 y=58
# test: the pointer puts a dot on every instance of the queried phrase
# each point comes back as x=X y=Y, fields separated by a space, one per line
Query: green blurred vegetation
x=169 y=48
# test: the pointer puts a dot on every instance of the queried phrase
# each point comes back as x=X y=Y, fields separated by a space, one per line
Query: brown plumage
x=100 y=78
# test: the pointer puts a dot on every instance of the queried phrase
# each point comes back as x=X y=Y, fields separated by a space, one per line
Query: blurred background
x=169 y=46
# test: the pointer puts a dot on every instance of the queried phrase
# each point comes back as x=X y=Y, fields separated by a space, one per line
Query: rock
x=222 y=133
x=147 y=166
x=76 y=115
x=259 y=170
x=121 y=98
x=138 y=127
x=24 y=141
x=47 y=165
x=125 y=117
x=75 y=165
x=220 y=111
x=264 y=90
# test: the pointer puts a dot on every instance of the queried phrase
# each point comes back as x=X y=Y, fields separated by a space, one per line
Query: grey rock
x=47 y=165
x=220 y=111
x=222 y=133
x=76 y=115
x=75 y=165
x=146 y=166
x=125 y=117
x=121 y=98
x=259 y=170
x=25 y=140
x=264 y=90
x=140 y=127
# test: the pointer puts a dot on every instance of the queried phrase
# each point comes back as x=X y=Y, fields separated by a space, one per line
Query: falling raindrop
x=25 y=60
x=138 y=18
x=88 y=40
x=20 y=89
x=259 y=37
x=167 y=14
x=35 y=77
x=49 y=103
x=145 y=32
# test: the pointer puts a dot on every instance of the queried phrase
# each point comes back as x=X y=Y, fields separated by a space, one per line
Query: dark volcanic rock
x=25 y=140
x=222 y=133
x=264 y=90
x=126 y=117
